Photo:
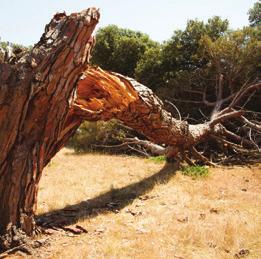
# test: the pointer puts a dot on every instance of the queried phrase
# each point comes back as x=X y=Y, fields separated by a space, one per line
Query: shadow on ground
x=111 y=201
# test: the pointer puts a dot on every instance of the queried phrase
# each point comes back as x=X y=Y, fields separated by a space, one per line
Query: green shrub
x=195 y=171
x=158 y=159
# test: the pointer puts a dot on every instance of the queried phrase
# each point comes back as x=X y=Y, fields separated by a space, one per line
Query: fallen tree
x=103 y=95
x=47 y=92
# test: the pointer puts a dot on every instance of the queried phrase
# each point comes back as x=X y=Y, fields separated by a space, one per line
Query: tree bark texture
x=103 y=95
x=35 y=96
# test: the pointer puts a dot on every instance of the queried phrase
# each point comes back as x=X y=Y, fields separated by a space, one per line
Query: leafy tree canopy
x=180 y=54
x=255 y=15
x=120 y=49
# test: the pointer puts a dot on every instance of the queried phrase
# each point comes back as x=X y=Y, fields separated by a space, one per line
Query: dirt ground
x=102 y=206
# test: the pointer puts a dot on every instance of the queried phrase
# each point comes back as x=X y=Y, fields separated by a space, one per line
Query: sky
x=23 y=21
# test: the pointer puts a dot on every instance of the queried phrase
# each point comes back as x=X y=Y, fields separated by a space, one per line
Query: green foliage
x=98 y=133
x=168 y=67
x=193 y=60
x=182 y=51
x=16 y=49
x=3 y=45
x=149 y=68
x=15 y=46
x=195 y=171
x=158 y=159
x=235 y=55
x=255 y=15
x=120 y=49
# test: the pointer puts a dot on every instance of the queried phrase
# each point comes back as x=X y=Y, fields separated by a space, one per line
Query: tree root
x=24 y=248
x=13 y=237
x=16 y=239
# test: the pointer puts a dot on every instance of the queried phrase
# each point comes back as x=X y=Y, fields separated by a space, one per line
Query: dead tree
x=44 y=97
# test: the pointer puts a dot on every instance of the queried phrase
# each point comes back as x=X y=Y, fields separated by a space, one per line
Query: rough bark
x=102 y=95
x=35 y=95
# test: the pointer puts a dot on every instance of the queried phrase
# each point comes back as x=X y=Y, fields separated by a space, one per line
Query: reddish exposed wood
x=111 y=95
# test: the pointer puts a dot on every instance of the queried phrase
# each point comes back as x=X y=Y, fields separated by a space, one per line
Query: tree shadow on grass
x=110 y=201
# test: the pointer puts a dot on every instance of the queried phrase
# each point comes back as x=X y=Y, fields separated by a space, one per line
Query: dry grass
x=135 y=208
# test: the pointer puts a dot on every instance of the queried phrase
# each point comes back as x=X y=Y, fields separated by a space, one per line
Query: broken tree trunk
x=35 y=95
x=102 y=95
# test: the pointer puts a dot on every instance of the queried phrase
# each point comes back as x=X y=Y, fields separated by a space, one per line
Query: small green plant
x=158 y=159
x=195 y=171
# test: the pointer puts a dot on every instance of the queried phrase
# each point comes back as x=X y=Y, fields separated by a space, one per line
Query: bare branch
x=201 y=157
x=243 y=92
x=225 y=116
x=220 y=89
x=248 y=99
x=175 y=107
x=139 y=151
x=194 y=91
x=153 y=148
x=187 y=159
x=203 y=114
x=206 y=102
x=238 y=138
x=251 y=139
x=231 y=145
x=115 y=146
x=255 y=126
x=187 y=101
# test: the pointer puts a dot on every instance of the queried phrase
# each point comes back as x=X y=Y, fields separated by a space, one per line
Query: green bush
x=158 y=159
x=195 y=171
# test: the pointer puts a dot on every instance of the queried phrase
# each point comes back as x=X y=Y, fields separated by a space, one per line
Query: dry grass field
x=137 y=208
